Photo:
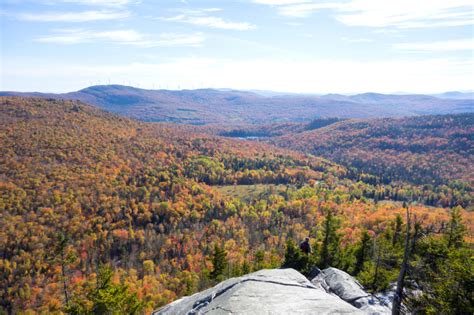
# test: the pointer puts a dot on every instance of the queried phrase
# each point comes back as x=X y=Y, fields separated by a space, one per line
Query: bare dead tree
x=397 y=299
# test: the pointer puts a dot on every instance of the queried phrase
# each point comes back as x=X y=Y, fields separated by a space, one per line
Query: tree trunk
x=63 y=272
x=397 y=299
x=377 y=265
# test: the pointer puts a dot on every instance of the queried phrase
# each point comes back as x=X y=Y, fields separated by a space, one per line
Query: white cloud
x=384 y=13
x=299 y=8
x=386 y=31
x=294 y=24
x=357 y=40
x=305 y=9
x=281 y=2
x=209 y=10
x=201 y=17
x=123 y=37
x=103 y=3
x=173 y=39
x=212 y=21
x=406 y=13
x=421 y=75
x=74 y=17
x=449 y=45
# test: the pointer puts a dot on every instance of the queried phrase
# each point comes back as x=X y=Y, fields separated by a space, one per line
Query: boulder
x=411 y=290
x=274 y=291
x=341 y=284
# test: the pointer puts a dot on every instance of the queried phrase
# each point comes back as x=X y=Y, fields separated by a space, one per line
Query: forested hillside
x=425 y=150
x=100 y=212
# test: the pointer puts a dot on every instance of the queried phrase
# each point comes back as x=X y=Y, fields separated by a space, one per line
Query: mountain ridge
x=233 y=107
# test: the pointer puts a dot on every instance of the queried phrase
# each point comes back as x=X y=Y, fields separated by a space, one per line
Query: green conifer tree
x=456 y=230
x=330 y=248
x=106 y=298
x=362 y=252
x=219 y=262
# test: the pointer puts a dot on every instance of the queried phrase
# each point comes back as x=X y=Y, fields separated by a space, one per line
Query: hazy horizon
x=256 y=91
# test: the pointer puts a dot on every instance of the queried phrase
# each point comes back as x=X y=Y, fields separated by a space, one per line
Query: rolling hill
x=421 y=150
x=456 y=95
x=231 y=107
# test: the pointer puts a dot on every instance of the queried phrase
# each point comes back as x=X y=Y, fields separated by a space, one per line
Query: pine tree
x=245 y=267
x=219 y=262
x=457 y=230
x=106 y=298
x=330 y=248
x=64 y=256
x=445 y=273
x=362 y=252
x=398 y=229
x=294 y=258
x=259 y=258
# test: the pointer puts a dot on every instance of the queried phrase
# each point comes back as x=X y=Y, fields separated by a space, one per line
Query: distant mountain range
x=456 y=95
x=211 y=106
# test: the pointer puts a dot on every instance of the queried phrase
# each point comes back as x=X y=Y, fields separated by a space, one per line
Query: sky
x=299 y=46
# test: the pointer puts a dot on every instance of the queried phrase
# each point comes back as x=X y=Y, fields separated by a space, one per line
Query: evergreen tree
x=446 y=276
x=362 y=252
x=294 y=258
x=64 y=256
x=219 y=262
x=398 y=229
x=457 y=230
x=245 y=268
x=330 y=248
x=259 y=258
x=381 y=264
x=106 y=298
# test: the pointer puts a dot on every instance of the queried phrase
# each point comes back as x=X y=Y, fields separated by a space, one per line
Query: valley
x=247 y=157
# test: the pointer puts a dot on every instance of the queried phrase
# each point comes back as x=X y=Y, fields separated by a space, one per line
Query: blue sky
x=305 y=46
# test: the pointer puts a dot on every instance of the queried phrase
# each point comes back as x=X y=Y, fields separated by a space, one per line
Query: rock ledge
x=275 y=291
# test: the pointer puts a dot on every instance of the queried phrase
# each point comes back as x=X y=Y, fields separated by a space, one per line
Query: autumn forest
x=101 y=213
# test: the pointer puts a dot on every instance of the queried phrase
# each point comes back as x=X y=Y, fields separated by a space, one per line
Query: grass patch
x=247 y=193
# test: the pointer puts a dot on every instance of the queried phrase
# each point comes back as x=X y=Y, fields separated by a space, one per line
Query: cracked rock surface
x=343 y=285
x=269 y=291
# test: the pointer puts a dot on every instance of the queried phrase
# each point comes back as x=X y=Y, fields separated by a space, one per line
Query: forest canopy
x=95 y=205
